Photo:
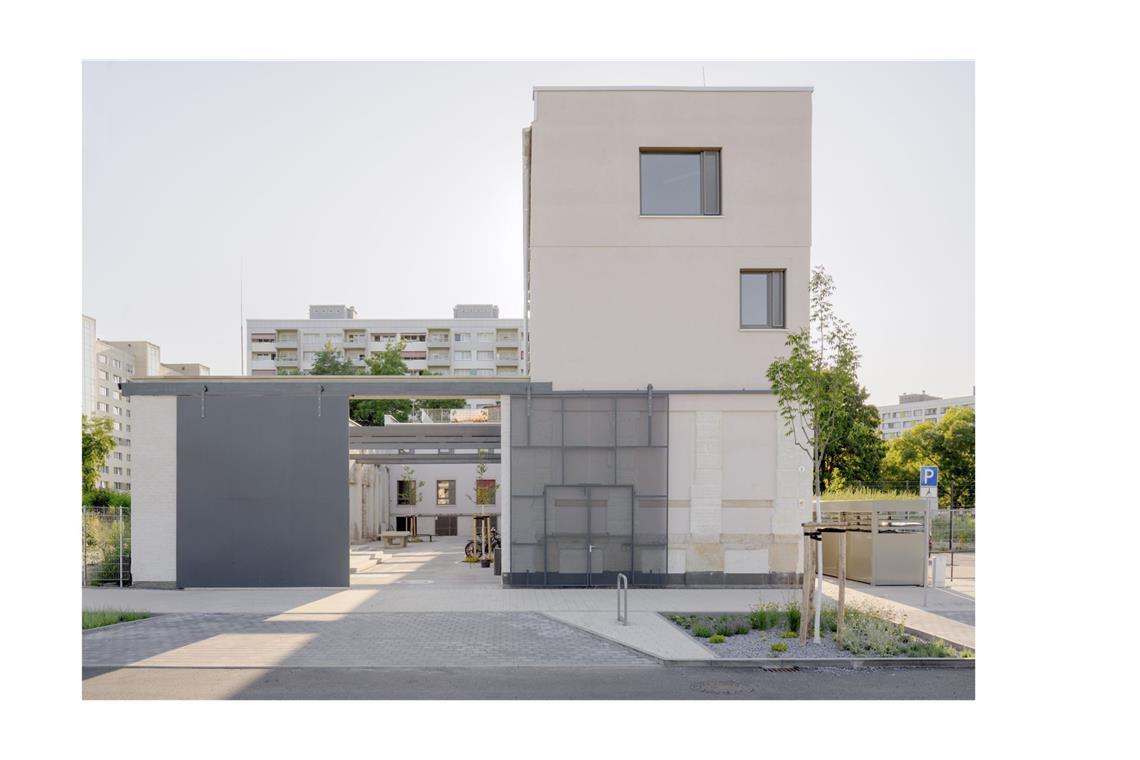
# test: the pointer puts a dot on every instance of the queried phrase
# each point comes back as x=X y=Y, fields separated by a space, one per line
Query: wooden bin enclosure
x=886 y=540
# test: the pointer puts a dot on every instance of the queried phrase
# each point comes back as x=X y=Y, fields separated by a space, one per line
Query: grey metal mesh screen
x=589 y=481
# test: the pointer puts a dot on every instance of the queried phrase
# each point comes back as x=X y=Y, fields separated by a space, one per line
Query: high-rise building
x=106 y=364
x=913 y=408
x=475 y=342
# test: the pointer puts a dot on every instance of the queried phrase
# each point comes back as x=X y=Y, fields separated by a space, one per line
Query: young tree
x=812 y=385
x=97 y=444
x=484 y=494
x=416 y=496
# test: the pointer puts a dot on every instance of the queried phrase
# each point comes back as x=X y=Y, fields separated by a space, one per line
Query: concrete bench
x=397 y=538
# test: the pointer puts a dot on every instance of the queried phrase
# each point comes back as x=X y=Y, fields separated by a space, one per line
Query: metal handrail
x=623 y=593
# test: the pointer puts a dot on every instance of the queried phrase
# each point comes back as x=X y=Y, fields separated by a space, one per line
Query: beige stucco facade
x=618 y=300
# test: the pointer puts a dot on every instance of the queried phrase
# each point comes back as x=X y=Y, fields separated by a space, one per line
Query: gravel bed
x=759 y=644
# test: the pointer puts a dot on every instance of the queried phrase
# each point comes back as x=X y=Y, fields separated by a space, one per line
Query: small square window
x=680 y=182
x=445 y=493
x=762 y=298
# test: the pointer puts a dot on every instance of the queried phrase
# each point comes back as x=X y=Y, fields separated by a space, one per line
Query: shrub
x=702 y=631
x=765 y=617
x=104 y=497
x=866 y=632
x=829 y=619
x=743 y=628
x=716 y=638
x=936 y=648
x=725 y=627
x=792 y=615
x=789 y=635
x=779 y=646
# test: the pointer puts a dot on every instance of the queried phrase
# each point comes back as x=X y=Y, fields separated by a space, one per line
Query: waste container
x=886 y=540
x=498 y=561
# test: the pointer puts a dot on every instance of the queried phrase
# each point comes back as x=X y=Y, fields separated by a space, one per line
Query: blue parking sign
x=928 y=475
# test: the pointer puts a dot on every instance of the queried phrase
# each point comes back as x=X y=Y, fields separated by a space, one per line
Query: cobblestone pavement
x=357 y=640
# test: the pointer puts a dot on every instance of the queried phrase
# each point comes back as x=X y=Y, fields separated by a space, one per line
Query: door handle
x=590 y=548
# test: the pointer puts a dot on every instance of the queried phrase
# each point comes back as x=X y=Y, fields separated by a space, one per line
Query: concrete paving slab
x=647 y=632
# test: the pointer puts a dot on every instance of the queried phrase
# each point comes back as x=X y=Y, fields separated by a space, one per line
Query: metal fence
x=952 y=534
x=106 y=546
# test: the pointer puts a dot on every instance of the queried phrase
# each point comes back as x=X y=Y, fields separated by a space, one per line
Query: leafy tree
x=97 y=444
x=858 y=452
x=371 y=411
x=332 y=361
x=948 y=444
x=390 y=361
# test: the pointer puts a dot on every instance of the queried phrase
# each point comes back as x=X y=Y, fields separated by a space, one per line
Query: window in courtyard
x=445 y=493
x=485 y=491
x=405 y=492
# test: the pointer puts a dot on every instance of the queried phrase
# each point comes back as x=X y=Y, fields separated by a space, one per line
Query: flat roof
x=372 y=386
x=656 y=88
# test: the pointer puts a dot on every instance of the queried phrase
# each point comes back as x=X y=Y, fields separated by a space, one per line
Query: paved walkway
x=361 y=640
x=432 y=578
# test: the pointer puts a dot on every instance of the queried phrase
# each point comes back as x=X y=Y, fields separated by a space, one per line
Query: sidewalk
x=593 y=610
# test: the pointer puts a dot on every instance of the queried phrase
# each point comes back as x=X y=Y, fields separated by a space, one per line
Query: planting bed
x=764 y=634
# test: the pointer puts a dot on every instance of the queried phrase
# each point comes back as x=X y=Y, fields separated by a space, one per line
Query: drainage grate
x=789 y=669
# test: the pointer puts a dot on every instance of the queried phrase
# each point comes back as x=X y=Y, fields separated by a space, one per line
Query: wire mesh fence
x=106 y=546
x=952 y=535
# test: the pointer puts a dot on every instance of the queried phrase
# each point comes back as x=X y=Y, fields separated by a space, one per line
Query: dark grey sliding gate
x=262 y=490
x=589 y=475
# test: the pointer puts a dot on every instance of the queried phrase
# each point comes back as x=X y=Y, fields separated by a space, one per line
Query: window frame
x=450 y=493
x=702 y=154
x=410 y=493
x=783 y=299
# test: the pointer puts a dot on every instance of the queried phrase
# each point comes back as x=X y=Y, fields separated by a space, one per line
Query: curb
x=846 y=663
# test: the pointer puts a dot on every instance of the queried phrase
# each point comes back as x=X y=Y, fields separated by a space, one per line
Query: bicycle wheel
x=469 y=550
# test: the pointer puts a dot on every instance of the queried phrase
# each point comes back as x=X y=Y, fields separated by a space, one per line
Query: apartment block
x=474 y=343
x=106 y=364
x=913 y=408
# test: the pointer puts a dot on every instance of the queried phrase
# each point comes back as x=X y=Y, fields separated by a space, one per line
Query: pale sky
x=397 y=188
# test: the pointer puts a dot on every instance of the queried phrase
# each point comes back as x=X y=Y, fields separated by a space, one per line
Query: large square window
x=680 y=183
x=761 y=298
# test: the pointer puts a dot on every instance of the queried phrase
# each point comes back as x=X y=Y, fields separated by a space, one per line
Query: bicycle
x=469 y=549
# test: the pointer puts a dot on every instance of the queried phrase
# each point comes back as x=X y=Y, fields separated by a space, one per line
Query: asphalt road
x=655 y=682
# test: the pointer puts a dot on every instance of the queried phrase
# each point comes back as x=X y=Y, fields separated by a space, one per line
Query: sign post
x=928 y=489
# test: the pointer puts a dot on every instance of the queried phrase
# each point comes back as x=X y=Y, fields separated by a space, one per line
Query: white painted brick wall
x=154 y=449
